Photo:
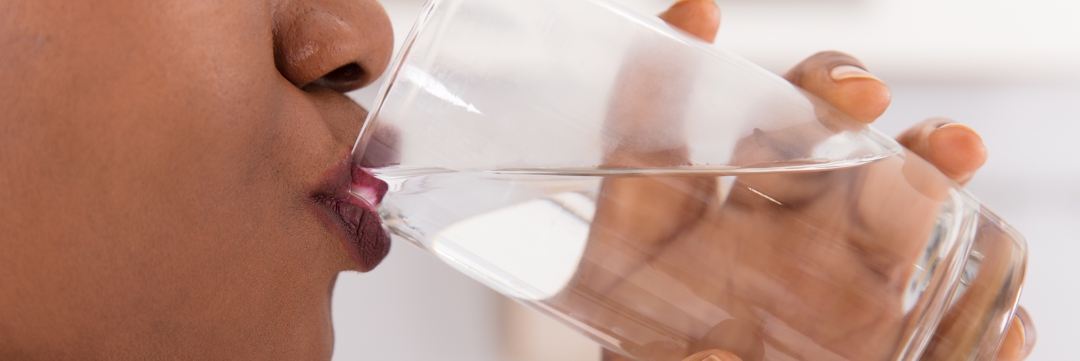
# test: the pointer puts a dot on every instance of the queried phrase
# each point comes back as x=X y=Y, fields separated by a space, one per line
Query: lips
x=366 y=187
x=347 y=201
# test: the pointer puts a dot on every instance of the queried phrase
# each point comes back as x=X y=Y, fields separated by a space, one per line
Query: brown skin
x=158 y=165
x=157 y=162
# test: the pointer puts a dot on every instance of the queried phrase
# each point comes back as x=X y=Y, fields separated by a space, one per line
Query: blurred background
x=1010 y=70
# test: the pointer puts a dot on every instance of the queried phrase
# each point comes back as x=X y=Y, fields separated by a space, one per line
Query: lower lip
x=360 y=231
x=354 y=219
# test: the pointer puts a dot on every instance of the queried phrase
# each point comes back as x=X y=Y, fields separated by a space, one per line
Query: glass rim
x=422 y=20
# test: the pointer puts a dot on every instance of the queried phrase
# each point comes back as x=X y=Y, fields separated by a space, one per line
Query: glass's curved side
x=979 y=312
x=664 y=197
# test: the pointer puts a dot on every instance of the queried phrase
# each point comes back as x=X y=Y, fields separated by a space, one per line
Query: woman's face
x=169 y=174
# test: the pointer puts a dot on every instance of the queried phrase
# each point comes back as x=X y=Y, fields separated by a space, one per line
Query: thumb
x=700 y=18
x=712 y=355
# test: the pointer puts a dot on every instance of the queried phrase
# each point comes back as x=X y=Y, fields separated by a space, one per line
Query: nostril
x=342 y=76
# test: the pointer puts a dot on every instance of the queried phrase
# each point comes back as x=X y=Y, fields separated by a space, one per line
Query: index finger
x=843 y=81
x=644 y=130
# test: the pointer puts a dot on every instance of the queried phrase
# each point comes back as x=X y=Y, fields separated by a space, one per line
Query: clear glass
x=665 y=197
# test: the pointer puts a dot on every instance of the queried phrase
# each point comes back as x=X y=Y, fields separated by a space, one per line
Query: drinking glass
x=663 y=196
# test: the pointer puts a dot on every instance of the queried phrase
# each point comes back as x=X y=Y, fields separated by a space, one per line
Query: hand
x=678 y=213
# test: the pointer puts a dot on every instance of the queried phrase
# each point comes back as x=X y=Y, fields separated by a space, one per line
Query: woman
x=170 y=170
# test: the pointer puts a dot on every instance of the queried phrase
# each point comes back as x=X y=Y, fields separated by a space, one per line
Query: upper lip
x=347 y=199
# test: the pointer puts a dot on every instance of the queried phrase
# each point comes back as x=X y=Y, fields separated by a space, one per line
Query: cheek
x=171 y=190
x=223 y=236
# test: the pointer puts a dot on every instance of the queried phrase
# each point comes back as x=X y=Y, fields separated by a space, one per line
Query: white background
x=1010 y=69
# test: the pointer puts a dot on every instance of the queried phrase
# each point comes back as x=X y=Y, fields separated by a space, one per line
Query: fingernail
x=957 y=126
x=850 y=72
x=712 y=358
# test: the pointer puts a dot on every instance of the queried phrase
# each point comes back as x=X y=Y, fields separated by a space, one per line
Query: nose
x=338 y=44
